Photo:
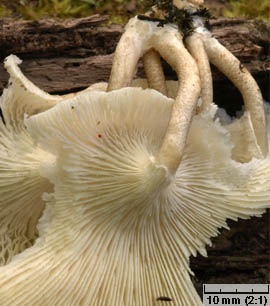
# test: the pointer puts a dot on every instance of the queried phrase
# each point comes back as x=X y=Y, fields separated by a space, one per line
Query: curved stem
x=124 y=67
x=171 y=48
x=154 y=71
x=196 y=48
x=139 y=38
x=242 y=79
x=128 y=52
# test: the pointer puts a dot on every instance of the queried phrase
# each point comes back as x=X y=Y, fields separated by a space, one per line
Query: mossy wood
x=63 y=57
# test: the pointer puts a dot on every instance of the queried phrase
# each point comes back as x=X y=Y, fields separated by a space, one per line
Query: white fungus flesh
x=118 y=229
x=22 y=97
x=21 y=164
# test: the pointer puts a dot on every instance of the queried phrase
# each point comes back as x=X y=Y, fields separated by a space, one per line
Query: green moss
x=34 y=9
x=259 y=9
x=4 y=12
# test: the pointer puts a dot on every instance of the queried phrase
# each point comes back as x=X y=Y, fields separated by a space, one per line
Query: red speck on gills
x=99 y=135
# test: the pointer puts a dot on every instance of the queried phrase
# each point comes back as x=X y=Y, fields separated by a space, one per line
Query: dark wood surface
x=63 y=57
x=240 y=255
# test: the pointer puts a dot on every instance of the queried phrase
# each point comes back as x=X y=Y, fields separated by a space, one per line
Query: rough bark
x=66 y=56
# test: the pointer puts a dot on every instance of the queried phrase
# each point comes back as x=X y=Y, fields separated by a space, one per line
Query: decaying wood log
x=238 y=256
x=67 y=56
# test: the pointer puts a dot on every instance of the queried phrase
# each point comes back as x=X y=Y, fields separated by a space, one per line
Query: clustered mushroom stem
x=173 y=51
x=196 y=48
x=126 y=56
x=154 y=71
x=168 y=42
x=231 y=67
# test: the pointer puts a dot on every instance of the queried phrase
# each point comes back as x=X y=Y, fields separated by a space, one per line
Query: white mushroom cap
x=171 y=86
x=22 y=96
x=242 y=135
x=118 y=230
x=21 y=205
x=21 y=164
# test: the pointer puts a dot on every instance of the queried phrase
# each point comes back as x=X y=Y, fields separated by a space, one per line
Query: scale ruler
x=236 y=294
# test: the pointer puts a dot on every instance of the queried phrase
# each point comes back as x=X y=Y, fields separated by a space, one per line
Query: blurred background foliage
x=259 y=9
x=120 y=10
x=35 y=9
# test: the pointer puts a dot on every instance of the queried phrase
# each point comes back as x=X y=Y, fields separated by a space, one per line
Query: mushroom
x=140 y=183
x=139 y=38
x=22 y=96
x=119 y=227
x=21 y=90
x=205 y=48
x=21 y=163
x=21 y=211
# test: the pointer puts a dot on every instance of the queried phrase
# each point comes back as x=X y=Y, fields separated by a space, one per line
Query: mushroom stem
x=171 y=48
x=139 y=38
x=154 y=71
x=242 y=79
x=126 y=56
x=196 y=48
